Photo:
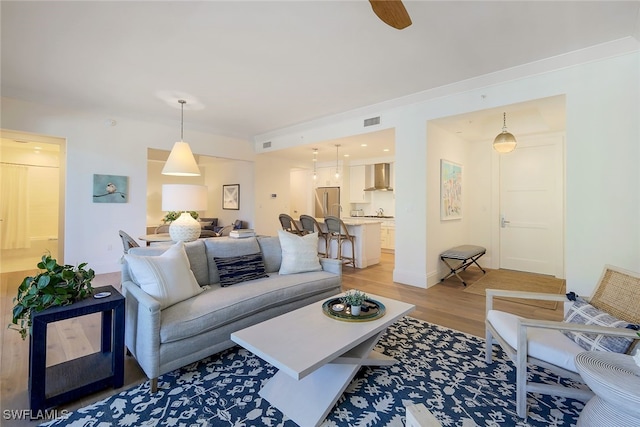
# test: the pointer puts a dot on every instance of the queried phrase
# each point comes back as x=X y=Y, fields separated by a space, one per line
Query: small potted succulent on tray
x=54 y=285
x=354 y=299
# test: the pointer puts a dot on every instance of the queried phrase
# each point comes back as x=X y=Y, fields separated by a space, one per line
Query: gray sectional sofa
x=162 y=340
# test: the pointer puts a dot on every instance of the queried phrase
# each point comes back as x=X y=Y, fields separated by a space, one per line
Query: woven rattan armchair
x=541 y=342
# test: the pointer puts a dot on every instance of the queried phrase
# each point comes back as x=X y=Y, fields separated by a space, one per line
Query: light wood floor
x=444 y=304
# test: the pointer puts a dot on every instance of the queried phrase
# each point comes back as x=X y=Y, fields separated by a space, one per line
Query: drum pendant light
x=504 y=142
x=181 y=161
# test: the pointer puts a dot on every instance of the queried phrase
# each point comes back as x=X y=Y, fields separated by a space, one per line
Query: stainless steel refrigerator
x=327 y=202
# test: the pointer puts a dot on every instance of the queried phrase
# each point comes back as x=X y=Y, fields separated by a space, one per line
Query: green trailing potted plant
x=354 y=299
x=173 y=215
x=54 y=285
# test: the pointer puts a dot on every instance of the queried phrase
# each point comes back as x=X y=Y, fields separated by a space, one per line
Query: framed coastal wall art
x=231 y=196
x=450 y=190
x=110 y=188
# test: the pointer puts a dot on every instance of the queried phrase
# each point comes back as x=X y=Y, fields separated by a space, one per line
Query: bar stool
x=310 y=225
x=289 y=224
x=338 y=231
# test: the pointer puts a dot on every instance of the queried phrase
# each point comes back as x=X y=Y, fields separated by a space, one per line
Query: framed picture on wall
x=231 y=196
x=450 y=190
x=110 y=188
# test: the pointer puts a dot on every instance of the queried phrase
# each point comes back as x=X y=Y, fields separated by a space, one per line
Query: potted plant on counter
x=55 y=285
x=354 y=299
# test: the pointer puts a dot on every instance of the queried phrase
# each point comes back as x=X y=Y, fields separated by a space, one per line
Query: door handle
x=503 y=222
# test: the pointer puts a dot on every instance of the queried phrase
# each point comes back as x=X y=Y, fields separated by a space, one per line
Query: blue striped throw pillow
x=581 y=312
x=240 y=268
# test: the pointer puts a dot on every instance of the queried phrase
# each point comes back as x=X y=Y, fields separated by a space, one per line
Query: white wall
x=602 y=88
x=273 y=176
x=225 y=173
x=445 y=234
x=92 y=147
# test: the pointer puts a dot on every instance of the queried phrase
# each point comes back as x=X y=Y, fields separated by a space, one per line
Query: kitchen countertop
x=356 y=220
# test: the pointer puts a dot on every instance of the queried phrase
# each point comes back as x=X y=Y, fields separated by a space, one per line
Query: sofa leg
x=153 y=385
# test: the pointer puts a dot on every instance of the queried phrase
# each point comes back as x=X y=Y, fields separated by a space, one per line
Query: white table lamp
x=185 y=198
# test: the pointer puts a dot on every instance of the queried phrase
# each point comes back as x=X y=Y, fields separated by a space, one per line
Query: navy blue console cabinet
x=67 y=381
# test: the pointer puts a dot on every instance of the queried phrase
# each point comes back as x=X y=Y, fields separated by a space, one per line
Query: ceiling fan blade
x=392 y=12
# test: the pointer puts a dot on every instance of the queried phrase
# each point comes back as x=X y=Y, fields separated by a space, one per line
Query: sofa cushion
x=271 y=252
x=227 y=247
x=581 y=312
x=195 y=253
x=165 y=277
x=299 y=253
x=218 y=306
x=241 y=268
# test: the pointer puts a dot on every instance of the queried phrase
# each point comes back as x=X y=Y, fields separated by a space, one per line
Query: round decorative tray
x=371 y=310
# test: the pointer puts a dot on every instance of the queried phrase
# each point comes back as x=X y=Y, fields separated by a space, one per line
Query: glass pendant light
x=315 y=162
x=504 y=142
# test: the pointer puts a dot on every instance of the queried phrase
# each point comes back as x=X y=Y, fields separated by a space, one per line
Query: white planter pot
x=355 y=310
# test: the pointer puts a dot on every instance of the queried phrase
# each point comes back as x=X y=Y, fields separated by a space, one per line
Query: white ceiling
x=246 y=68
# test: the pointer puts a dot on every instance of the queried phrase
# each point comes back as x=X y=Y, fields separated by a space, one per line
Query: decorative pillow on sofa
x=241 y=268
x=582 y=312
x=299 y=253
x=167 y=277
x=209 y=223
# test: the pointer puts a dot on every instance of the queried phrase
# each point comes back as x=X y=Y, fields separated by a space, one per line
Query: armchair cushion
x=167 y=277
x=582 y=312
x=543 y=344
x=238 y=269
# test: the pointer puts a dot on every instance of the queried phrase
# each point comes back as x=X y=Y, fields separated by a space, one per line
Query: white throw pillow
x=168 y=277
x=299 y=253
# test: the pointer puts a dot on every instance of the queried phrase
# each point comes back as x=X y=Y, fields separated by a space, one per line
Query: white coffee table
x=317 y=356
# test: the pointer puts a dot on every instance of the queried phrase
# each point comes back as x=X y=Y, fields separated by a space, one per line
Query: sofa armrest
x=142 y=328
x=331 y=265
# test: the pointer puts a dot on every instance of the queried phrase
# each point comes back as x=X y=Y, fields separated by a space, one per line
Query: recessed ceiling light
x=37 y=148
x=363 y=145
x=386 y=149
x=346 y=155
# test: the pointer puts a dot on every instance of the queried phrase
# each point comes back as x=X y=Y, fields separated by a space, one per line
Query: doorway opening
x=500 y=191
x=32 y=193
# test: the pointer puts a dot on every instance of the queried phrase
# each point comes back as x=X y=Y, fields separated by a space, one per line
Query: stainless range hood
x=381 y=177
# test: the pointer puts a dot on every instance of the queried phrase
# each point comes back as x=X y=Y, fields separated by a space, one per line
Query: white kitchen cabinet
x=326 y=177
x=387 y=236
x=359 y=179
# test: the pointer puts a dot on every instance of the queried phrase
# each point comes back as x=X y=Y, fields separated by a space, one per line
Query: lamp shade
x=181 y=161
x=184 y=197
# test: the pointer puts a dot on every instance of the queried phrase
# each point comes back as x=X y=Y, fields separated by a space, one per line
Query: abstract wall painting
x=450 y=190
x=231 y=196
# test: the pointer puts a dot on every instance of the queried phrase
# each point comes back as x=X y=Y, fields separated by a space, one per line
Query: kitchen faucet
x=380 y=212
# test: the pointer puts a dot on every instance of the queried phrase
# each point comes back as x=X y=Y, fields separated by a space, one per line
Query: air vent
x=266 y=144
x=372 y=121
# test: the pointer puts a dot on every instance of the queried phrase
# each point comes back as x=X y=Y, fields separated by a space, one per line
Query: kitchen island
x=367 y=241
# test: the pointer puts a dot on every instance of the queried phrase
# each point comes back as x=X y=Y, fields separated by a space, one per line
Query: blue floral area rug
x=439 y=367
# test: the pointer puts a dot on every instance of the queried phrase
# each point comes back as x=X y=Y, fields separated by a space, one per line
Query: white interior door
x=531 y=207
